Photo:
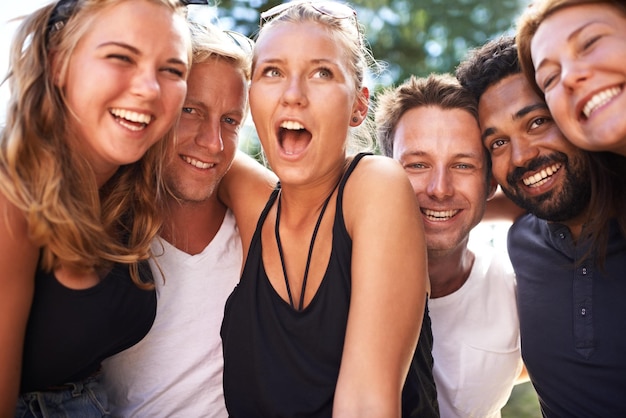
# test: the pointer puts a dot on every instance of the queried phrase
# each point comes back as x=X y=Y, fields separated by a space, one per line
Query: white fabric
x=476 y=347
x=176 y=370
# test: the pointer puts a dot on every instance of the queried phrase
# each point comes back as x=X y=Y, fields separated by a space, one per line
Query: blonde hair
x=76 y=223
x=210 y=42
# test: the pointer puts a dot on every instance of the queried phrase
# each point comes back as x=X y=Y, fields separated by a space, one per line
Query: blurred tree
x=412 y=37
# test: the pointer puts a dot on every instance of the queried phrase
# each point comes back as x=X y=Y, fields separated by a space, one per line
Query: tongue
x=294 y=142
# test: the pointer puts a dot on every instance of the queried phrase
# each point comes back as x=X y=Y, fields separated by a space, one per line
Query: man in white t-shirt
x=176 y=370
x=430 y=126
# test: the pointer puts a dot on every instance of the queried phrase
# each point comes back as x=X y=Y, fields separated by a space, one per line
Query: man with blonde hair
x=176 y=370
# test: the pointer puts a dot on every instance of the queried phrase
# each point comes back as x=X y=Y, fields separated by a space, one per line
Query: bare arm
x=18 y=261
x=389 y=285
x=523 y=376
x=245 y=189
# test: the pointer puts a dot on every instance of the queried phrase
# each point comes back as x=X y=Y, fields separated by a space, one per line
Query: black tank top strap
x=344 y=178
x=268 y=205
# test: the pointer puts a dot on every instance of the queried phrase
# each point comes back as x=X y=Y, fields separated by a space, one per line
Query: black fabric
x=279 y=362
x=419 y=396
x=572 y=316
x=70 y=332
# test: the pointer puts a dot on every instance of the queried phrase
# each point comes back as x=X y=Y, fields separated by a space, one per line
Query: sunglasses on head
x=328 y=8
x=243 y=42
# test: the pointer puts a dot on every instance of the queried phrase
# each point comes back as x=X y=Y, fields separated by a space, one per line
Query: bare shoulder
x=377 y=187
x=377 y=176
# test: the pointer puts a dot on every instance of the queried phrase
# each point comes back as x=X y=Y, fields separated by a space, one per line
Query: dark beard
x=570 y=202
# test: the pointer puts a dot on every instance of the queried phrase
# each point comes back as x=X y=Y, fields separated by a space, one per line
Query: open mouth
x=439 y=215
x=197 y=163
x=293 y=137
x=542 y=176
x=131 y=120
x=600 y=99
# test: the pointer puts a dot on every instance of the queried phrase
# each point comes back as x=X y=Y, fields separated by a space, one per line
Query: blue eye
x=230 y=121
x=271 y=72
x=324 y=73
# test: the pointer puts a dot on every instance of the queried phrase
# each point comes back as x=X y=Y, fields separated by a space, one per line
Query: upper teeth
x=600 y=99
x=131 y=116
x=291 y=125
x=541 y=177
x=439 y=214
x=197 y=163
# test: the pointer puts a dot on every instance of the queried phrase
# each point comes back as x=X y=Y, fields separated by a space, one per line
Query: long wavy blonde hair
x=77 y=224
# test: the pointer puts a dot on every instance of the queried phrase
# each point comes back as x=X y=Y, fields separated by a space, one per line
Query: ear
x=360 y=108
x=493 y=186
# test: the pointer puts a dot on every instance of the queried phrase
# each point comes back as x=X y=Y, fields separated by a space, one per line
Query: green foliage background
x=411 y=36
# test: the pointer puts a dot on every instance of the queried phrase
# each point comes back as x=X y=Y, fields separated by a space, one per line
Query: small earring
x=355 y=119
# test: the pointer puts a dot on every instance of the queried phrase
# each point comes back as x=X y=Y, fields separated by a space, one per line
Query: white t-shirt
x=476 y=347
x=176 y=370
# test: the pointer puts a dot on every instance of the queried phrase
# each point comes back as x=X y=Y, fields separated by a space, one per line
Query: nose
x=439 y=185
x=145 y=83
x=522 y=151
x=209 y=136
x=294 y=93
x=573 y=73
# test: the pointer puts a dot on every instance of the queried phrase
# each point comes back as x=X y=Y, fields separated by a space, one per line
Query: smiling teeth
x=291 y=125
x=439 y=215
x=198 y=163
x=541 y=177
x=131 y=116
x=600 y=99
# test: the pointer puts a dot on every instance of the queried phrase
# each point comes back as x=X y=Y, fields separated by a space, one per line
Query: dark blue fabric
x=572 y=319
x=70 y=332
x=85 y=399
x=279 y=362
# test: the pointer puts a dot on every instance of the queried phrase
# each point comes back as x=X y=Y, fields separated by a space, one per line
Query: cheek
x=257 y=105
x=499 y=169
x=176 y=97
x=555 y=101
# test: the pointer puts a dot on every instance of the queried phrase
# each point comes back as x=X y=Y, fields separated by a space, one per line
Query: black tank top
x=70 y=331
x=280 y=362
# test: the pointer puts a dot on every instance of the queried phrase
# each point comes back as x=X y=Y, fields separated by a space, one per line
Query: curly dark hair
x=488 y=64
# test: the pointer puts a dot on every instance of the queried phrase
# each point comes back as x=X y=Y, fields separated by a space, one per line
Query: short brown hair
x=441 y=90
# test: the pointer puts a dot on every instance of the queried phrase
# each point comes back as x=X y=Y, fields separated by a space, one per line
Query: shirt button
x=562 y=235
x=584 y=271
x=583 y=311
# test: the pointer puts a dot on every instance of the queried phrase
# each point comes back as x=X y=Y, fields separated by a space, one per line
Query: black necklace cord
x=308 y=260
